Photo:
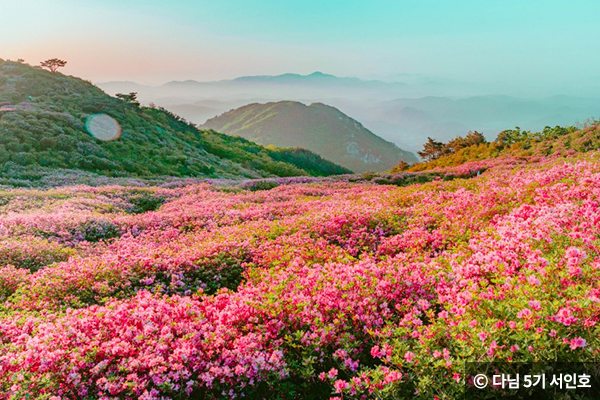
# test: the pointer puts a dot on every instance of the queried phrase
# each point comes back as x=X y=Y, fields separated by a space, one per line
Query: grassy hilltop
x=42 y=126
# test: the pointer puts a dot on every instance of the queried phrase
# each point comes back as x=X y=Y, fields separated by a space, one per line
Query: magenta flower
x=577 y=342
x=340 y=385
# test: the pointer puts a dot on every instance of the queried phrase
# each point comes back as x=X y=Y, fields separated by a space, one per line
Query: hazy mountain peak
x=318 y=127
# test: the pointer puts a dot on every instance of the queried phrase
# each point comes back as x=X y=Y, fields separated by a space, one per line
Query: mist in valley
x=404 y=109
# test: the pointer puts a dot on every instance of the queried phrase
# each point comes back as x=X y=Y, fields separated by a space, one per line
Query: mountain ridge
x=44 y=125
x=318 y=127
x=445 y=111
x=288 y=77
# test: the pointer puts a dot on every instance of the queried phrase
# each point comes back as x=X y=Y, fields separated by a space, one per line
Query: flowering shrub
x=32 y=252
x=10 y=279
x=322 y=289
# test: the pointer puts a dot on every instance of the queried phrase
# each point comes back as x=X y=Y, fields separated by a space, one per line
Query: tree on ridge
x=53 y=64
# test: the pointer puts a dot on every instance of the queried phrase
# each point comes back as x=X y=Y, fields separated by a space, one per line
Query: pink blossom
x=492 y=348
x=340 y=385
x=392 y=376
x=577 y=342
x=524 y=313
x=533 y=280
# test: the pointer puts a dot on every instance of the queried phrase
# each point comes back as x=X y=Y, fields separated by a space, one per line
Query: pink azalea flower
x=340 y=385
x=577 y=342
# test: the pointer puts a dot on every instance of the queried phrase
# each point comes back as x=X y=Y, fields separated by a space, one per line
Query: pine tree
x=432 y=150
x=53 y=64
x=129 y=98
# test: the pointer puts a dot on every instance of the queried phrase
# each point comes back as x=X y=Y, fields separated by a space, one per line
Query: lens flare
x=103 y=127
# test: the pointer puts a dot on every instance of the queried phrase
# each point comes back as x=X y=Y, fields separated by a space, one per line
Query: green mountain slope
x=317 y=127
x=42 y=126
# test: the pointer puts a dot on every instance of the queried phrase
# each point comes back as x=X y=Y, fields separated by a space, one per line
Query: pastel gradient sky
x=522 y=42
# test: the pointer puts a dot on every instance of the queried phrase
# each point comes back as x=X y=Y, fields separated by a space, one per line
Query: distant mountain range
x=410 y=121
x=405 y=113
x=45 y=125
x=293 y=85
x=320 y=128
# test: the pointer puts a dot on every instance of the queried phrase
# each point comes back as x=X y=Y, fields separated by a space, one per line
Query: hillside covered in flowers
x=311 y=289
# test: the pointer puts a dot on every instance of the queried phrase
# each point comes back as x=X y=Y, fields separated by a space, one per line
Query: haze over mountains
x=405 y=113
x=320 y=128
x=45 y=127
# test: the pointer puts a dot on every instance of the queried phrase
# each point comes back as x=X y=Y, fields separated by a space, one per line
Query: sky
x=525 y=43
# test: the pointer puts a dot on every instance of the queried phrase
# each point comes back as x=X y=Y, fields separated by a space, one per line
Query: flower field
x=307 y=290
